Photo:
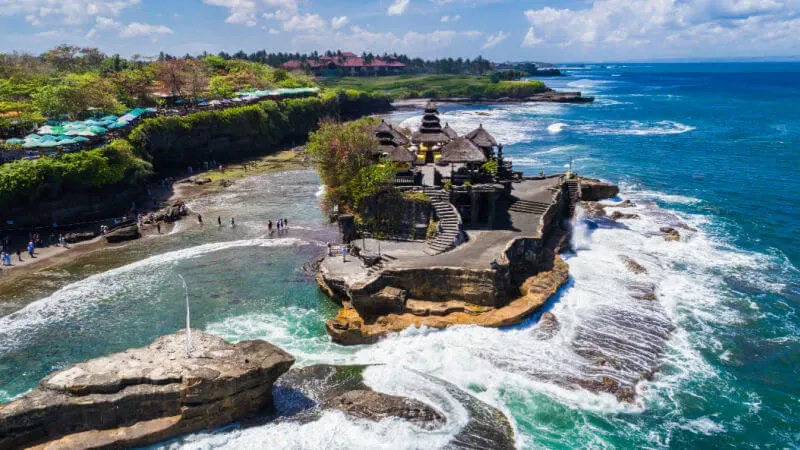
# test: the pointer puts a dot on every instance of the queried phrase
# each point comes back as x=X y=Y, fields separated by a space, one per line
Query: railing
x=404 y=180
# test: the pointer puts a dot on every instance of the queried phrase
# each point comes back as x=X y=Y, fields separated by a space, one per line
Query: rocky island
x=489 y=252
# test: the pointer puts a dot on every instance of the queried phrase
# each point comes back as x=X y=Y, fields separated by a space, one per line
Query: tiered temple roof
x=389 y=145
x=431 y=130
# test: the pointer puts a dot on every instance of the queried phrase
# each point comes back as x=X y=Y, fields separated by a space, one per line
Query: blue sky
x=571 y=30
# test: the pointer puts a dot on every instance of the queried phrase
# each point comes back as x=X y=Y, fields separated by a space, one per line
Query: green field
x=438 y=86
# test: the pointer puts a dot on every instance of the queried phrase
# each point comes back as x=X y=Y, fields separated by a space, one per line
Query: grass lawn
x=418 y=86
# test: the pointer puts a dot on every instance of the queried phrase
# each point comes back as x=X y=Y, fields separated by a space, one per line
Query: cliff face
x=146 y=395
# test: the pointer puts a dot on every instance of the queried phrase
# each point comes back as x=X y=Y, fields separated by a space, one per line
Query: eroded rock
x=670 y=234
x=547 y=327
x=633 y=266
x=146 y=395
x=371 y=405
x=122 y=234
x=74 y=238
x=618 y=215
x=595 y=190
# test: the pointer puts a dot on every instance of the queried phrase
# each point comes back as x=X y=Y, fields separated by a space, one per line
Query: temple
x=461 y=238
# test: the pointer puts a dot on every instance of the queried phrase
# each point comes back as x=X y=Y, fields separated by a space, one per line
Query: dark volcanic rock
x=170 y=213
x=371 y=405
x=303 y=393
x=633 y=266
x=73 y=238
x=547 y=327
x=146 y=395
x=122 y=234
x=387 y=300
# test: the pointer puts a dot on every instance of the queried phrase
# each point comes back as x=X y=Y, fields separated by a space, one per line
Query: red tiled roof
x=292 y=64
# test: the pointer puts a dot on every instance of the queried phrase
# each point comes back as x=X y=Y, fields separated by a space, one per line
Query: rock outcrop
x=169 y=214
x=618 y=215
x=351 y=328
x=145 y=395
x=547 y=327
x=74 y=238
x=670 y=234
x=633 y=266
x=122 y=234
x=595 y=190
x=302 y=394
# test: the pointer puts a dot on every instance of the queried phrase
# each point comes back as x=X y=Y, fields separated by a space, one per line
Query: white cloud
x=274 y=31
x=358 y=39
x=398 y=7
x=144 y=29
x=493 y=40
x=647 y=28
x=245 y=12
x=305 y=22
x=72 y=12
x=455 y=18
x=339 y=22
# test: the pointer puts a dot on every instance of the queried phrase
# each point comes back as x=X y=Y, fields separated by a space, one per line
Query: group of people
x=280 y=225
x=34 y=241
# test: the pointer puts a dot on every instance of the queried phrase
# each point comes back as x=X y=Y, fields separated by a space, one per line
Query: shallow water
x=687 y=143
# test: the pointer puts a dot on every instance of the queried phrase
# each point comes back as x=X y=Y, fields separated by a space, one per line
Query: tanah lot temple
x=465 y=240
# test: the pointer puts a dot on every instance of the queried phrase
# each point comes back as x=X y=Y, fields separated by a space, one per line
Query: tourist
x=19 y=255
x=278 y=225
x=233 y=222
x=5 y=258
x=344 y=253
x=269 y=226
x=200 y=219
x=219 y=221
x=285 y=223
x=330 y=249
x=158 y=227
x=31 y=248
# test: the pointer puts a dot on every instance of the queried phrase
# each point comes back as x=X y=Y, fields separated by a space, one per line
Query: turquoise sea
x=713 y=147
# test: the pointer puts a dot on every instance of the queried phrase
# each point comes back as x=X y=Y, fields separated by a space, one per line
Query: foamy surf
x=72 y=301
x=556 y=128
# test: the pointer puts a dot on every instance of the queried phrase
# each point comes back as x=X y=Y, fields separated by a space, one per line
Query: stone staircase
x=574 y=189
x=377 y=267
x=528 y=207
x=449 y=221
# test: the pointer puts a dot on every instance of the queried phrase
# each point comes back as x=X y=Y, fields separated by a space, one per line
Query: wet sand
x=183 y=190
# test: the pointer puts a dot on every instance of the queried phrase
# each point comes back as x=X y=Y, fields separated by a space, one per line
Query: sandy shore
x=182 y=191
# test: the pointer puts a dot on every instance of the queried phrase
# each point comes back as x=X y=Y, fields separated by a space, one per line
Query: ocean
x=709 y=147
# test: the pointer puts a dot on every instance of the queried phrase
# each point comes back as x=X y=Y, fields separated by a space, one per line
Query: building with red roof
x=347 y=63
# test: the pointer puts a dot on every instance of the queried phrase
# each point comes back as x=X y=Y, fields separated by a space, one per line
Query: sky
x=500 y=30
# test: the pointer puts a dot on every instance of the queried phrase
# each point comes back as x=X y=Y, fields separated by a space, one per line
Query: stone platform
x=499 y=277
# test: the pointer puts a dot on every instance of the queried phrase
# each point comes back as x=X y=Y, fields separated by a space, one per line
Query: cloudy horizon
x=500 y=30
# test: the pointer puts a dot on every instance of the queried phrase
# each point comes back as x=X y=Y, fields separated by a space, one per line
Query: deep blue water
x=711 y=145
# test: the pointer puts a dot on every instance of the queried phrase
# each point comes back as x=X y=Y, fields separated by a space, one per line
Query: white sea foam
x=556 y=128
x=320 y=192
x=634 y=128
x=73 y=300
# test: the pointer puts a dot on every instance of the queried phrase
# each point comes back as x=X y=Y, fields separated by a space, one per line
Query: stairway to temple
x=528 y=207
x=448 y=220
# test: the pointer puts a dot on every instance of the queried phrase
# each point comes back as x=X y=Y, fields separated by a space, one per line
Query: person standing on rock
x=344 y=253
x=200 y=219
x=233 y=222
x=19 y=255
x=158 y=227
x=31 y=248
x=269 y=226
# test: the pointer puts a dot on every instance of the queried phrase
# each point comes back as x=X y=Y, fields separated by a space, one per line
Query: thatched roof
x=462 y=150
x=397 y=153
x=449 y=131
x=429 y=137
x=386 y=130
x=481 y=137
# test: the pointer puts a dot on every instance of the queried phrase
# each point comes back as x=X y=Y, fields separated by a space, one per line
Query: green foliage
x=490 y=167
x=448 y=185
x=416 y=196
x=29 y=180
x=342 y=153
x=439 y=86
x=74 y=94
